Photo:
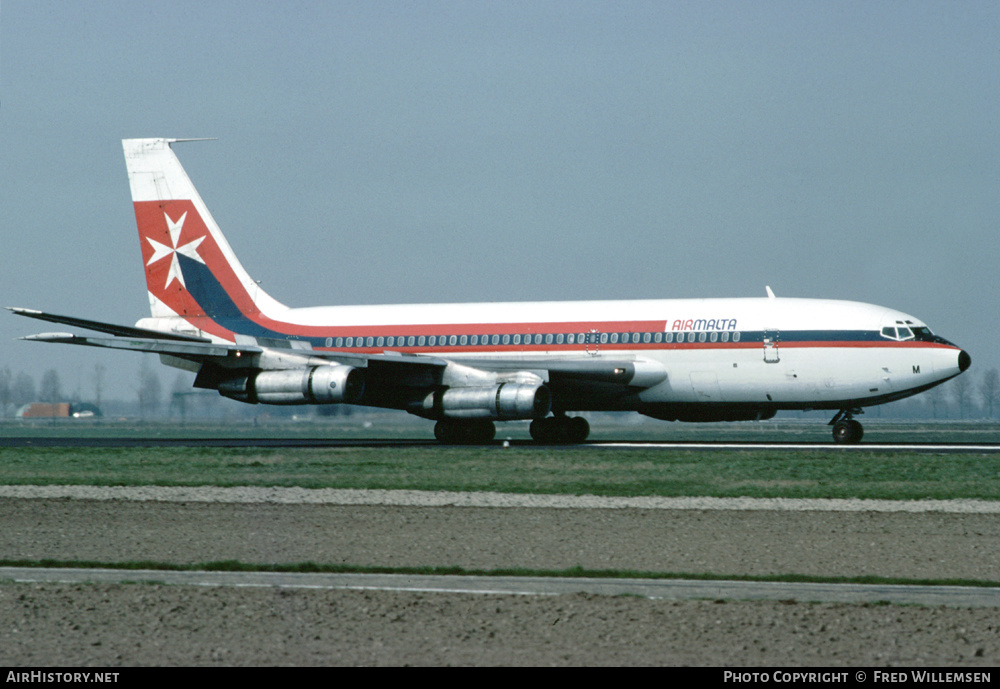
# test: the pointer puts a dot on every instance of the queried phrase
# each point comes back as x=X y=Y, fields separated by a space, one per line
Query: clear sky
x=373 y=152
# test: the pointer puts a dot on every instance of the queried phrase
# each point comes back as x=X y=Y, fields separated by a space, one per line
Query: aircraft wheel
x=848 y=432
x=579 y=429
x=464 y=432
x=541 y=430
x=560 y=430
x=857 y=429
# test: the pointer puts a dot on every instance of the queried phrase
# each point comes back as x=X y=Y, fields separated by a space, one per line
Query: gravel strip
x=417 y=498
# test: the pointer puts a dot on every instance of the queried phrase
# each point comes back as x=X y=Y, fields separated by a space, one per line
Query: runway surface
x=249 y=442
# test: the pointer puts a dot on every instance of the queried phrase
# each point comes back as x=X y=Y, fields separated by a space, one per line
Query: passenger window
x=714 y=337
x=669 y=338
x=658 y=337
x=614 y=338
x=702 y=337
x=604 y=338
x=571 y=339
x=340 y=342
x=350 y=342
x=369 y=341
x=548 y=339
x=736 y=337
x=453 y=340
x=725 y=337
x=380 y=342
x=506 y=339
x=560 y=338
x=517 y=339
x=646 y=337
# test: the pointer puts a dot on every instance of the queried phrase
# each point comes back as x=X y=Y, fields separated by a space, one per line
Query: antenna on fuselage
x=770 y=294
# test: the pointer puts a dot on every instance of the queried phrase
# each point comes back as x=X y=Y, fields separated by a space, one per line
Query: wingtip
x=49 y=337
x=184 y=141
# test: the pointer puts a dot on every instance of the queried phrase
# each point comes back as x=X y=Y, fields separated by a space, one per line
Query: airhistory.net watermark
x=61 y=677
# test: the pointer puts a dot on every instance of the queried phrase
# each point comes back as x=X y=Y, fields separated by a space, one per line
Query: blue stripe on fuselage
x=218 y=305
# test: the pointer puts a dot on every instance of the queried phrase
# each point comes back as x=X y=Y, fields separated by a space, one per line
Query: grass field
x=815 y=473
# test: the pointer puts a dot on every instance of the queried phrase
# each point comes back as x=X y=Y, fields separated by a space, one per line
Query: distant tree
x=23 y=391
x=150 y=391
x=961 y=390
x=989 y=390
x=50 y=387
x=937 y=399
x=178 y=396
x=99 y=370
x=6 y=389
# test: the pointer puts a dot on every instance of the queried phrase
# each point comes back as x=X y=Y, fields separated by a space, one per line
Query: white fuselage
x=776 y=352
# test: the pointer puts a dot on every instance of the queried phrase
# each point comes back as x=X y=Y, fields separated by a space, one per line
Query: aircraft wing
x=570 y=373
x=202 y=349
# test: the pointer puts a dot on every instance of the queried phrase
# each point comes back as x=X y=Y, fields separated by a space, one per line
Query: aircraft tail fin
x=191 y=271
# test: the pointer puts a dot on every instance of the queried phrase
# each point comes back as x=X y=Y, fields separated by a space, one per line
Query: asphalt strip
x=417 y=498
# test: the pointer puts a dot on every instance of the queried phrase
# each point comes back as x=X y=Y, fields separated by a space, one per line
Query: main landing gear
x=560 y=429
x=554 y=430
x=475 y=432
x=845 y=429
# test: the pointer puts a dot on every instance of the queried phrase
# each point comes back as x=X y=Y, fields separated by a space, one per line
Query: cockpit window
x=901 y=333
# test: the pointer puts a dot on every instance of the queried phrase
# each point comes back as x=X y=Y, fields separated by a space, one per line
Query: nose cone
x=964 y=360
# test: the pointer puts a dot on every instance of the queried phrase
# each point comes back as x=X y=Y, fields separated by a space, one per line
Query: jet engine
x=505 y=401
x=314 y=385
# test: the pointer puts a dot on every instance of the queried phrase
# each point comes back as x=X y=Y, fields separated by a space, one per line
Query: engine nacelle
x=506 y=401
x=313 y=385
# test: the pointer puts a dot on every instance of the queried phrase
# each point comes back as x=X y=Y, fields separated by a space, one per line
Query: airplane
x=467 y=366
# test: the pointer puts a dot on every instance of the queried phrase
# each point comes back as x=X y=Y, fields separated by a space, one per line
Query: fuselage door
x=771 y=355
x=593 y=342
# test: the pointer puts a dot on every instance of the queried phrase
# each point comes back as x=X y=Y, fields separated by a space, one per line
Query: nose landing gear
x=560 y=430
x=846 y=430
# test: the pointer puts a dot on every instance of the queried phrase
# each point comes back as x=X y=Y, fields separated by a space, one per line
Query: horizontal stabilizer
x=110 y=328
x=200 y=350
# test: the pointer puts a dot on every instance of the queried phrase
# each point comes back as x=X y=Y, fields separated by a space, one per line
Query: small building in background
x=58 y=410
